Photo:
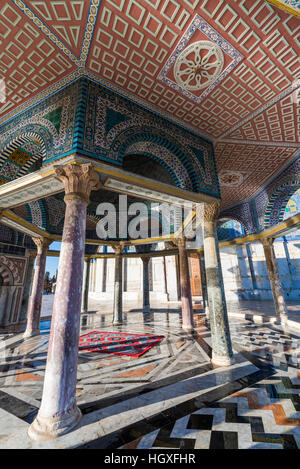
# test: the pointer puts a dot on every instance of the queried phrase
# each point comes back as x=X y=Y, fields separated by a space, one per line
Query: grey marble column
x=118 y=286
x=203 y=284
x=221 y=343
x=279 y=301
x=146 y=287
x=27 y=285
x=185 y=286
x=86 y=283
x=35 y=300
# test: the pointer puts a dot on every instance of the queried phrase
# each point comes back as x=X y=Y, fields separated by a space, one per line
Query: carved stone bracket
x=78 y=180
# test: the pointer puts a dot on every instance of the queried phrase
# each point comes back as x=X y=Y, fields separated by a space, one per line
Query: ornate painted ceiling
x=228 y=70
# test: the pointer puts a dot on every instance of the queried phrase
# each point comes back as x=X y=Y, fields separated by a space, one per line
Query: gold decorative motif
x=20 y=157
x=78 y=180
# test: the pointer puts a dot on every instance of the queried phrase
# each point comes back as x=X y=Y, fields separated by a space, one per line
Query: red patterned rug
x=118 y=343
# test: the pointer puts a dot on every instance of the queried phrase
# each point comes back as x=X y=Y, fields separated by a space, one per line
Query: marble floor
x=170 y=397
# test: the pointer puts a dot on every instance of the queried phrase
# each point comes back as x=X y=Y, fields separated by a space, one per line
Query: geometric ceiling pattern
x=153 y=51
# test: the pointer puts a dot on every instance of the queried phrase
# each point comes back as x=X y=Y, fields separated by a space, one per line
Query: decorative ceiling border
x=200 y=24
x=287 y=6
x=89 y=29
x=256 y=142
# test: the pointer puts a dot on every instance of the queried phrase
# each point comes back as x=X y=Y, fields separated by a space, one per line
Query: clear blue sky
x=52 y=262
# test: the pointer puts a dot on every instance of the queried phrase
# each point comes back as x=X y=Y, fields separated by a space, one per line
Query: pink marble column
x=185 y=286
x=35 y=300
x=59 y=412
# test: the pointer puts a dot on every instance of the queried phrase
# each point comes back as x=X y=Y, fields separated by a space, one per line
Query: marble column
x=185 y=286
x=177 y=268
x=279 y=301
x=86 y=284
x=221 y=343
x=35 y=300
x=203 y=284
x=27 y=285
x=118 y=286
x=59 y=412
x=165 y=278
x=146 y=286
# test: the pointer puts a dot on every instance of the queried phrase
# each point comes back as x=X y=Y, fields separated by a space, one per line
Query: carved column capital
x=87 y=259
x=211 y=211
x=180 y=242
x=119 y=248
x=31 y=253
x=41 y=244
x=266 y=242
x=78 y=180
x=146 y=257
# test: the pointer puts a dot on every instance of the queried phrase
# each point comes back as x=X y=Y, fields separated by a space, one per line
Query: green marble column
x=221 y=343
x=146 y=292
x=277 y=292
x=203 y=284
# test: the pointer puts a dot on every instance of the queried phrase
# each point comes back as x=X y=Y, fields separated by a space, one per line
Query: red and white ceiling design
x=244 y=96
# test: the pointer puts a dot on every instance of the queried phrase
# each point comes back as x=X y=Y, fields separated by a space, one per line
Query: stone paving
x=170 y=397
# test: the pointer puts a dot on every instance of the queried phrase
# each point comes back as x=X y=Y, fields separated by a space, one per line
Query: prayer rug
x=118 y=343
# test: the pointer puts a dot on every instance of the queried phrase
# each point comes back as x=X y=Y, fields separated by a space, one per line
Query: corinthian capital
x=119 y=248
x=211 y=211
x=78 y=180
x=267 y=241
x=179 y=242
x=41 y=244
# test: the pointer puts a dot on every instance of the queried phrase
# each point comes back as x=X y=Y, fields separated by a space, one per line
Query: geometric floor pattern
x=265 y=415
x=171 y=397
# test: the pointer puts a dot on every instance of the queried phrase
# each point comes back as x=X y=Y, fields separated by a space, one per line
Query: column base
x=146 y=309
x=28 y=334
x=47 y=428
x=117 y=323
x=188 y=328
x=222 y=361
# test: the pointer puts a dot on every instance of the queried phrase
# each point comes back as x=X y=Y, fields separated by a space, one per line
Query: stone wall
x=12 y=282
x=162 y=287
x=245 y=272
